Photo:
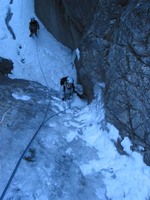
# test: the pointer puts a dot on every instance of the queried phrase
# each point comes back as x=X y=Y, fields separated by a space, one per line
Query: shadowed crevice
x=7 y=19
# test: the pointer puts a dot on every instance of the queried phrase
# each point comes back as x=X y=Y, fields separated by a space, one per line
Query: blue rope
x=23 y=154
x=21 y=157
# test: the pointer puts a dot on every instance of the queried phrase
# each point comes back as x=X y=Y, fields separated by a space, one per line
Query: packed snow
x=86 y=142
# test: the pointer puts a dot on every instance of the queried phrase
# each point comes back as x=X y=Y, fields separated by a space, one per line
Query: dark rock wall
x=6 y=66
x=115 y=49
x=118 y=53
x=65 y=19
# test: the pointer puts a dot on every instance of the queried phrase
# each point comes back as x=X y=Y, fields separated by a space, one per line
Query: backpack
x=63 y=80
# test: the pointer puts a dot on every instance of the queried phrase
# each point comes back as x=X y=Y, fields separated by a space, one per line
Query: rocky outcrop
x=115 y=49
x=6 y=66
x=66 y=20
x=21 y=100
x=118 y=53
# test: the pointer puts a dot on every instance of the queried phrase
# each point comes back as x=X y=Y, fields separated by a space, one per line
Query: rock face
x=115 y=49
x=123 y=44
x=21 y=100
x=5 y=66
x=120 y=56
x=65 y=19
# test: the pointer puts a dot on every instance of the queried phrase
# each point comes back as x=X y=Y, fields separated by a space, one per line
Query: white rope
x=41 y=66
x=4 y=116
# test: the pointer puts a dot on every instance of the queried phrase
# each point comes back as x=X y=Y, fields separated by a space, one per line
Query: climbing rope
x=41 y=66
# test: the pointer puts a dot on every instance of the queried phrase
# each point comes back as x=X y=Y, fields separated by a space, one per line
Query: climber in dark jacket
x=33 y=27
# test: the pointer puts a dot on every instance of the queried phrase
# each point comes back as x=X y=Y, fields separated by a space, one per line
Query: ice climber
x=33 y=27
x=69 y=88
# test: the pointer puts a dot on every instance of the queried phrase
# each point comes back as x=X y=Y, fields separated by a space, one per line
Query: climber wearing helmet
x=69 y=88
x=69 y=82
x=33 y=27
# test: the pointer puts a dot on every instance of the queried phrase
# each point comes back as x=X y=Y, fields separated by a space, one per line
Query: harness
x=68 y=92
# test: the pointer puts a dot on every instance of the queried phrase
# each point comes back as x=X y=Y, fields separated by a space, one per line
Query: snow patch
x=21 y=97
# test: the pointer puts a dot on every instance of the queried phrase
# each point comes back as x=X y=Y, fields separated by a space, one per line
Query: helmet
x=69 y=80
